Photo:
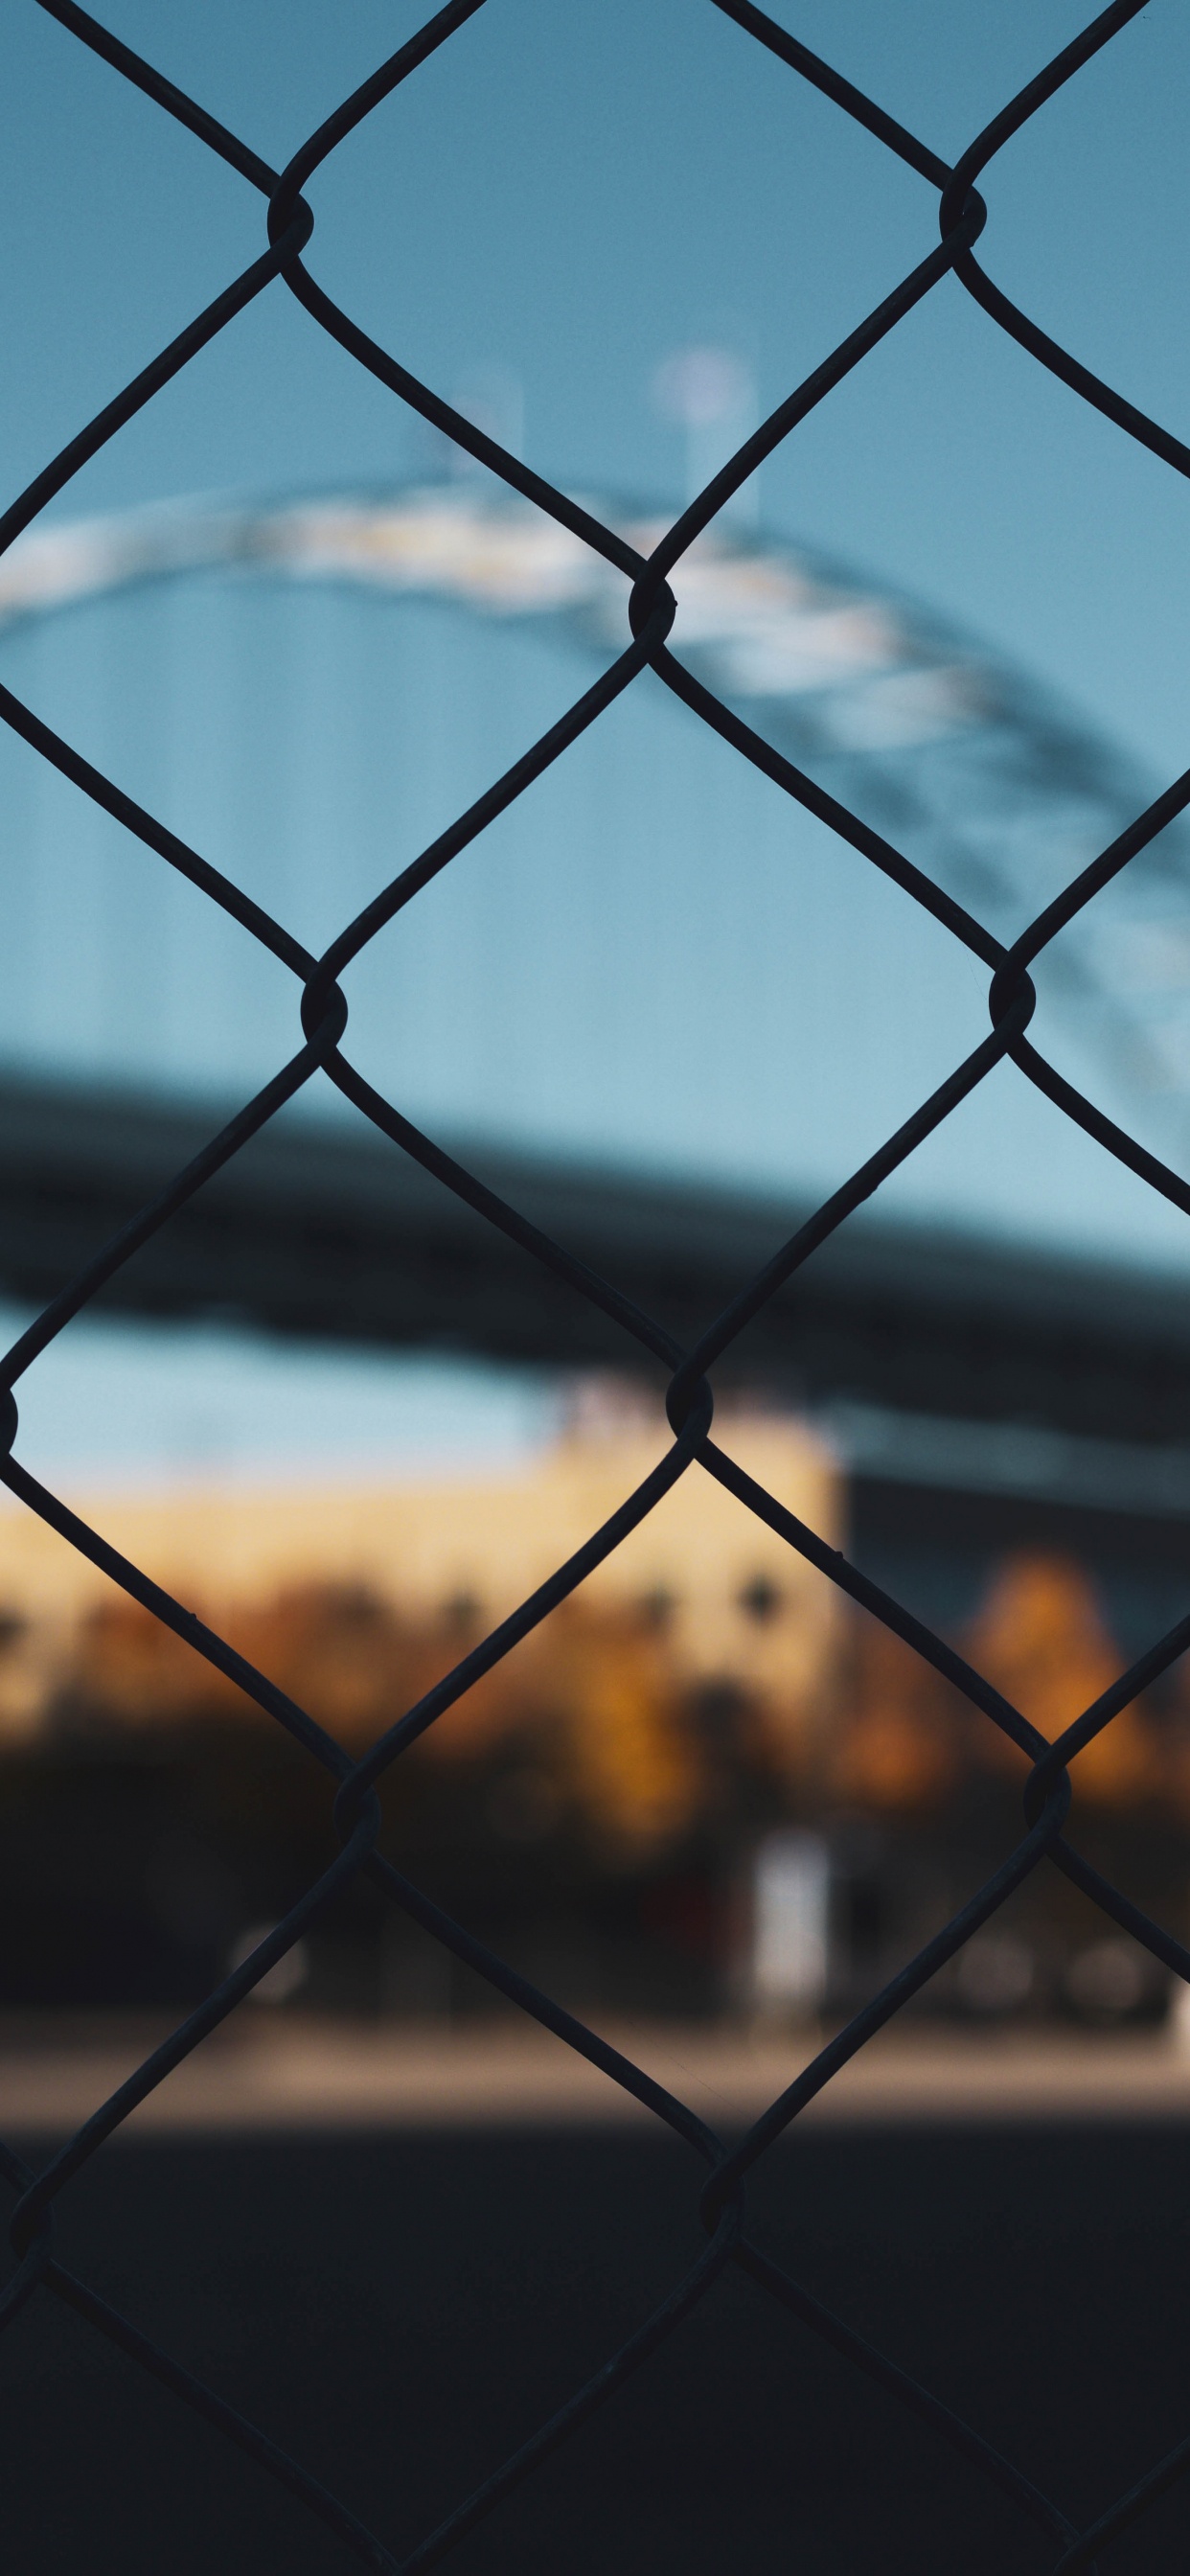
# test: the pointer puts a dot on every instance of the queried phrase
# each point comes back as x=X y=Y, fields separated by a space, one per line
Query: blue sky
x=564 y=196
x=117 y=1403
x=567 y=194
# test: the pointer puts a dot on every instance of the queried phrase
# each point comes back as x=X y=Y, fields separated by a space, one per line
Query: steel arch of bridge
x=995 y=787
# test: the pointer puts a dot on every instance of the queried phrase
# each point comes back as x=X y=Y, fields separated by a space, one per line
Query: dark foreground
x=400 y=2311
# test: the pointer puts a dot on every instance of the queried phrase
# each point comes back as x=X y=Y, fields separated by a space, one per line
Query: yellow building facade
x=737 y=1605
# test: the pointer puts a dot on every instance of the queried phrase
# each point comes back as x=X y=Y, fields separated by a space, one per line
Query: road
x=400 y=2304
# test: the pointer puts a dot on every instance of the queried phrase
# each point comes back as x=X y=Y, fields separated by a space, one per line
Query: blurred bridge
x=317 y=1232
x=307 y=690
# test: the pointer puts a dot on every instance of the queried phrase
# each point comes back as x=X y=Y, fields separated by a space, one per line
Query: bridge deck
x=324 y=1231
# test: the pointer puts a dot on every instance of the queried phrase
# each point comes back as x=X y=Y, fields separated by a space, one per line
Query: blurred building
x=585 y=1801
x=704 y=1778
x=737 y=1608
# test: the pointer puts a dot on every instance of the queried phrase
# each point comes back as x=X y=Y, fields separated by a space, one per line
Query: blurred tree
x=900 y=1749
x=129 y=1670
x=584 y=1716
x=1041 y=1639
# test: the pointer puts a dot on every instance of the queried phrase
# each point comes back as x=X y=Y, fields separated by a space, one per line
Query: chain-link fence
x=650 y=610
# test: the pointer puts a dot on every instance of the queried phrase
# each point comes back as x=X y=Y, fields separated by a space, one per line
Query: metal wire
x=649 y=605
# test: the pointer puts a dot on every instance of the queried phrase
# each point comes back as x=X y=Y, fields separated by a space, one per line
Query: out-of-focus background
x=656 y=1005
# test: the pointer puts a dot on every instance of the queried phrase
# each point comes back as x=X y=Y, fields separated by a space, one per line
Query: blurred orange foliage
x=588 y=1699
x=590 y=1718
x=1040 y=1638
x=897 y=1748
